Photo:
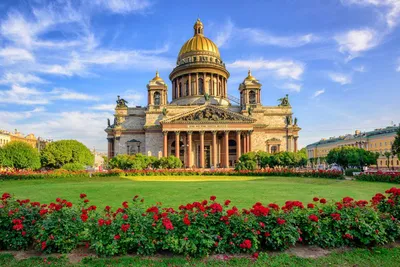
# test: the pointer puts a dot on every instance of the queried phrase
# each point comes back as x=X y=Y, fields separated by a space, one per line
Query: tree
x=59 y=153
x=396 y=144
x=387 y=155
x=20 y=155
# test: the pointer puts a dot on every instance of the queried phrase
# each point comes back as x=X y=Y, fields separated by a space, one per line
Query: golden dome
x=157 y=78
x=198 y=42
x=250 y=77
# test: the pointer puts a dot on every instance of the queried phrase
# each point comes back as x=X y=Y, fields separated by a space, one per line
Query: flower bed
x=25 y=175
x=197 y=229
x=389 y=177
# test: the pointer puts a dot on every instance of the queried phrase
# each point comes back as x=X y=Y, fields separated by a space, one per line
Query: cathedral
x=203 y=125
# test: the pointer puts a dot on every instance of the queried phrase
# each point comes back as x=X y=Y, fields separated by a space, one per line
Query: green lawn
x=173 y=191
x=380 y=257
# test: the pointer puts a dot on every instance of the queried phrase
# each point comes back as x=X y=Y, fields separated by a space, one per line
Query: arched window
x=157 y=99
x=201 y=86
x=187 y=88
x=252 y=97
x=232 y=152
x=274 y=149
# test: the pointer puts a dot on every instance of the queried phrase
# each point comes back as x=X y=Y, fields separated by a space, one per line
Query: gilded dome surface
x=199 y=43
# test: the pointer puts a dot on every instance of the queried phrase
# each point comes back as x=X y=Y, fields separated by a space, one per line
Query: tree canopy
x=351 y=156
x=19 y=155
x=59 y=153
x=396 y=144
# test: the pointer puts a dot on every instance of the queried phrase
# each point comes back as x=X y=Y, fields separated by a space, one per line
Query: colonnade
x=189 y=85
x=242 y=139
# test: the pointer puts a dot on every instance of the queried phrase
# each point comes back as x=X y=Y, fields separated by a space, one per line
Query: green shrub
x=59 y=153
x=349 y=172
x=131 y=162
x=20 y=155
x=170 y=162
x=73 y=167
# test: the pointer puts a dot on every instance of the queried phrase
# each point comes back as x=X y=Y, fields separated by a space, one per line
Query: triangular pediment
x=209 y=114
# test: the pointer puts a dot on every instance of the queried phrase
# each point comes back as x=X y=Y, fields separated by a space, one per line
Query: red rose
x=212 y=198
x=335 y=216
x=125 y=204
x=84 y=217
x=125 y=227
x=310 y=206
x=86 y=200
x=227 y=202
x=107 y=208
x=315 y=199
x=68 y=204
x=43 y=245
x=186 y=219
x=280 y=221
x=125 y=217
x=255 y=255
x=82 y=195
x=100 y=222
x=313 y=218
x=23 y=233
x=116 y=237
x=322 y=200
x=246 y=244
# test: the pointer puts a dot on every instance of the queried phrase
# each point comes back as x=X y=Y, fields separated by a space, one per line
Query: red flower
x=101 y=222
x=322 y=200
x=43 y=211
x=86 y=200
x=186 y=219
x=315 y=199
x=273 y=206
x=310 y=206
x=125 y=204
x=23 y=233
x=84 y=217
x=280 y=221
x=125 y=217
x=348 y=236
x=227 y=202
x=117 y=237
x=82 y=195
x=212 y=198
x=107 y=208
x=68 y=204
x=108 y=222
x=43 y=245
x=5 y=196
x=267 y=234
x=255 y=255
x=125 y=227
x=335 y=216
x=246 y=244
x=313 y=218
x=167 y=223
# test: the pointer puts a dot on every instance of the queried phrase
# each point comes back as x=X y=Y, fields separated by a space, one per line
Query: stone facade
x=210 y=127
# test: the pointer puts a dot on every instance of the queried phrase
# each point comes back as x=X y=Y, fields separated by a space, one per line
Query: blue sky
x=62 y=63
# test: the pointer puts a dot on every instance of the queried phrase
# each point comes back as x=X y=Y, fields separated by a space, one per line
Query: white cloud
x=293 y=87
x=261 y=37
x=341 y=78
x=13 y=55
x=224 y=34
x=354 y=42
x=360 y=69
x=65 y=94
x=318 y=93
x=280 y=68
x=20 y=78
x=391 y=9
x=121 y=6
x=104 y=107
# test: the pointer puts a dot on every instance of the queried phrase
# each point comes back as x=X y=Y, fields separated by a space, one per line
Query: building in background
x=378 y=140
x=38 y=143
x=203 y=125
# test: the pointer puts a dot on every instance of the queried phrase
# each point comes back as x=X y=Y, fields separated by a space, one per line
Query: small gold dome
x=250 y=77
x=198 y=42
x=157 y=78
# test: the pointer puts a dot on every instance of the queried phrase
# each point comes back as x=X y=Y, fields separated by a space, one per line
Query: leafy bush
x=349 y=172
x=20 y=155
x=170 y=162
x=57 y=154
x=73 y=167
x=388 y=177
x=199 y=228
x=132 y=162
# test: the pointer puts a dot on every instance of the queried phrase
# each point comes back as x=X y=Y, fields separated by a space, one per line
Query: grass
x=173 y=191
x=358 y=257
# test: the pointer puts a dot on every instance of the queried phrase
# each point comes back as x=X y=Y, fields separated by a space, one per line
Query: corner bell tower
x=157 y=92
x=250 y=92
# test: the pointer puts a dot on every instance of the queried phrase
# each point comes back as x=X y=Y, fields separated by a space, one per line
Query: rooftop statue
x=121 y=103
x=284 y=101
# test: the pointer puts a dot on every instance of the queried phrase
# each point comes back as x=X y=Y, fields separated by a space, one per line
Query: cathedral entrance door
x=207 y=156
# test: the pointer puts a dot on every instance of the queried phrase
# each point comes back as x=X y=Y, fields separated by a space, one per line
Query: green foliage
x=387 y=155
x=261 y=159
x=396 y=144
x=131 y=162
x=351 y=156
x=170 y=162
x=19 y=155
x=59 y=153
x=349 y=172
x=73 y=167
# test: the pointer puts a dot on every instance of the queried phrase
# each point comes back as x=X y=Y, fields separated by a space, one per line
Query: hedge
x=388 y=177
x=27 y=175
x=197 y=229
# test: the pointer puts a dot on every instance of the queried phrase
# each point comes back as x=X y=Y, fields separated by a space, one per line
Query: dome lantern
x=198 y=28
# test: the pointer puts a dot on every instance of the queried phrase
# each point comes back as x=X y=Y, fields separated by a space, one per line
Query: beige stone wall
x=120 y=146
x=154 y=143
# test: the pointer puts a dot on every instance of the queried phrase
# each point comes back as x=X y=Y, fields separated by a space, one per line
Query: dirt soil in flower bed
x=77 y=255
